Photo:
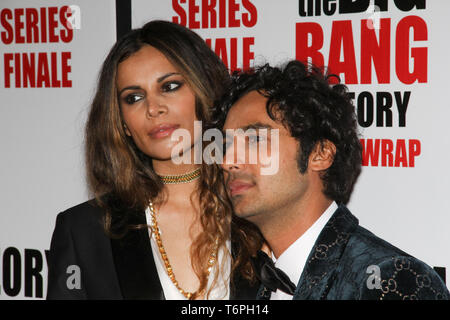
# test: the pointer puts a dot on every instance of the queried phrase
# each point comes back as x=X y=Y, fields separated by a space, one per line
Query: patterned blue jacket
x=349 y=262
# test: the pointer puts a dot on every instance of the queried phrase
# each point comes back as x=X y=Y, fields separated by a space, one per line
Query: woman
x=155 y=229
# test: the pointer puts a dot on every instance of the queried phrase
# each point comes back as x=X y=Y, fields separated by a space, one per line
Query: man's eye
x=255 y=139
x=171 y=86
x=133 y=98
x=227 y=143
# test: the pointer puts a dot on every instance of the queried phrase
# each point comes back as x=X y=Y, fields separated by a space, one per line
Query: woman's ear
x=322 y=156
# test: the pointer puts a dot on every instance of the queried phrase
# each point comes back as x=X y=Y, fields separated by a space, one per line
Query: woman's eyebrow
x=130 y=88
x=166 y=76
x=160 y=79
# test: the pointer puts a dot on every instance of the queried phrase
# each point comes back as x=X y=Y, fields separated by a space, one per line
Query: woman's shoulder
x=90 y=204
x=82 y=215
x=90 y=213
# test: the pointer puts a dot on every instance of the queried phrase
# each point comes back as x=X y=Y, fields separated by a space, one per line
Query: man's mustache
x=229 y=177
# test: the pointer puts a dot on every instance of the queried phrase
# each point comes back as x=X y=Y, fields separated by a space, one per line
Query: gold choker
x=181 y=178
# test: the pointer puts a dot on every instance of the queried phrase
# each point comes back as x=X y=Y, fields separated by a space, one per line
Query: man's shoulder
x=384 y=271
x=365 y=244
x=361 y=244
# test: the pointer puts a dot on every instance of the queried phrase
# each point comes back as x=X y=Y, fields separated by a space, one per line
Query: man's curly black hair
x=312 y=110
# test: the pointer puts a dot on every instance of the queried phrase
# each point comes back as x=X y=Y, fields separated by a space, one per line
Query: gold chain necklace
x=155 y=231
x=181 y=178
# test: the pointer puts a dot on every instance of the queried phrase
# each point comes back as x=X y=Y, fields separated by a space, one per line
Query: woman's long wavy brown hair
x=117 y=170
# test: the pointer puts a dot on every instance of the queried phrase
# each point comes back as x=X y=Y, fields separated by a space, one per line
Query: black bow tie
x=270 y=276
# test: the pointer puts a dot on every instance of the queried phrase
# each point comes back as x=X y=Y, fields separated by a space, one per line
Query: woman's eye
x=171 y=86
x=132 y=98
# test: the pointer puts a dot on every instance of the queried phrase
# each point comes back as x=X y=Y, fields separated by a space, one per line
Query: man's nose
x=234 y=155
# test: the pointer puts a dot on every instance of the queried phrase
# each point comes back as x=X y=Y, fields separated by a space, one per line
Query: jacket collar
x=136 y=269
x=322 y=262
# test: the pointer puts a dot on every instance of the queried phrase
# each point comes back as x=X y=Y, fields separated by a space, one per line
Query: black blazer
x=109 y=268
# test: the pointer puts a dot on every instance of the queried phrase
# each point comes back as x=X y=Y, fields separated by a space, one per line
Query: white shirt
x=219 y=292
x=293 y=259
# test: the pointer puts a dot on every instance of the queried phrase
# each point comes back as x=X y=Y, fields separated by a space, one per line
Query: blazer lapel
x=320 y=269
x=135 y=266
x=136 y=269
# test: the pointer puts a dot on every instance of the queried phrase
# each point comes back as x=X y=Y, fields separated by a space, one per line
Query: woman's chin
x=185 y=155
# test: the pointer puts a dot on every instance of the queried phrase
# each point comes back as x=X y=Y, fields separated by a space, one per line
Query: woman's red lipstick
x=163 y=130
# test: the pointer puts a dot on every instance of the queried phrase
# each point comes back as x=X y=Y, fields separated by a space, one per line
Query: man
x=314 y=240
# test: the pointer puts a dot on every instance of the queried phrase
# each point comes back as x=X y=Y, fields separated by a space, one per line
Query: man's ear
x=322 y=156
